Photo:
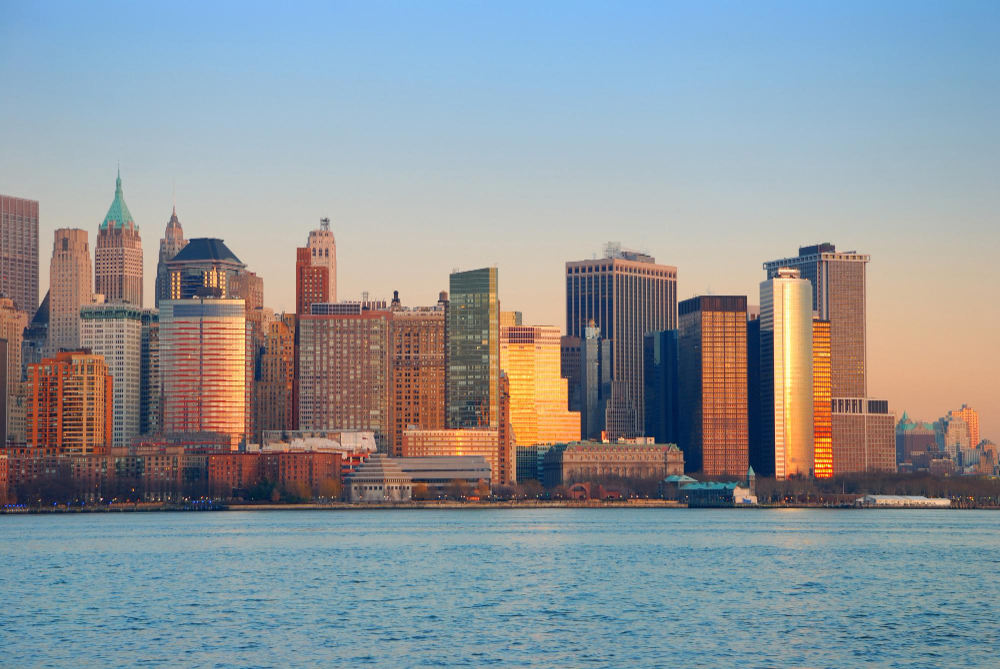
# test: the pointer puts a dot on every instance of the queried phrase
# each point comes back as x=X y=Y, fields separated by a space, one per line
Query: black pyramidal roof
x=205 y=248
x=42 y=314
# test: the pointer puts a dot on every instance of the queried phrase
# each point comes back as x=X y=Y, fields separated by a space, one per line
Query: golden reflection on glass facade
x=787 y=402
x=539 y=396
x=822 y=411
x=203 y=354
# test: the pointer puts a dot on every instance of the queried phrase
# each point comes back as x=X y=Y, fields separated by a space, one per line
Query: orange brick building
x=71 y=404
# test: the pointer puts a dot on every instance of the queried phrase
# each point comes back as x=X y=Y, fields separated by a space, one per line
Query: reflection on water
x=603 y=587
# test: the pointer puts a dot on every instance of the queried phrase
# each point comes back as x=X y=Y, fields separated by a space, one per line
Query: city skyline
x=715 y=198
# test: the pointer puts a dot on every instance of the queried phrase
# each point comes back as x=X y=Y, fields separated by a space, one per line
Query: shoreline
x=449 y=506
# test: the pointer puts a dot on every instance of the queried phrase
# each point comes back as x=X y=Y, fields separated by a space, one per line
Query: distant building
x=472 y=350
x=595 y=382
x=150 y=379
x=312 y=282
x=916 y=444
x=171 y=244
x=864 y=436
x=569 y=365
x=114 y=331
x=418 y=369
x=203 y=264
x=587 y=461
x=529 y=356
x=345 y=376
x=118 y=254
x=911 y=501
x=662 y=370
x=626 y=294
x=712 y=349
x=70 y=287
x=971 y=418
x=70 y=407
x=439 y=473
x=822 y=409
x=203 y=354
x=276 y=391
x=13 y=323
x=322 y=247
x=786 y=372
x=19 y=252
x=380 y=479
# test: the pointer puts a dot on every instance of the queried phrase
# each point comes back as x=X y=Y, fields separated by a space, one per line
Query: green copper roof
x=118 y=214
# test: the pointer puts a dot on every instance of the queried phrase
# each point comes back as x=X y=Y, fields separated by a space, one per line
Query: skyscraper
x=626 y=294
x=114 y=331
x=787 y=401
x=662 y=368
x=971 y=418
x=312 y=282
x=19 y=252
x=539 y=396
x=595 y=382
x=203 y=354
x=344 y=372
x=712 y=356
x=70 y=404
x=472 y=349
x=70 y=287
x=822 y=408
x=118 y=254
x=203 y=263
x=171 y=244
x=275 y=396
x=13 y=323
x=862 y=436
x=323 y=251
x=418 y=373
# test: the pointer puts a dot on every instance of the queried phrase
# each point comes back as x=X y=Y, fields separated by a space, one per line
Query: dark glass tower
x=662 y=387
x=472 y=346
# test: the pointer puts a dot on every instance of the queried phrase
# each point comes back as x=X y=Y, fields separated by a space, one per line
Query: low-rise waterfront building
x=380 y=479
x=588 y=460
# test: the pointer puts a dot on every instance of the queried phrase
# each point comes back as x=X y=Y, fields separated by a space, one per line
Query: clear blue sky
x=442 y=135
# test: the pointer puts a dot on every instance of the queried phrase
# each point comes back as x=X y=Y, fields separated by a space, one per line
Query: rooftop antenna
x=324 y=224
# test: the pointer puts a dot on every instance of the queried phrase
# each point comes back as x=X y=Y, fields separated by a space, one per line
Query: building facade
x=70 y=408
x=626 y=294
x=822 y=397
x=712 y=361
x=418 y=370
x=322 y=247
x=787 y=402
x=150 y=380
x=587 y=461
x=13 y=323
x=203 y=357
x=202 y=265
x=312 y=282
x=19 y=252
x=71 y=286
x=114 y=331
x=595 y=383
x=345 y=373
x=971 y=418
x=539 y=395
x=275 y=396
x=662 y=379
x=472 y=350
x=482 y=442
x=118 y=254
x=864 y=438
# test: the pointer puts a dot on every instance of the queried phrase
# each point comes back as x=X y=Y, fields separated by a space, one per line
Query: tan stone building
x=71 y=286
x=12 y=324
x=589 y=460
x=418 y=372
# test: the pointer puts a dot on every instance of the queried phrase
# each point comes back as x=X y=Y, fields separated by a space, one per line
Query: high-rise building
x=838 y=286
x=916 y=444
x=312 y=282
x=971 y=418
x=70 y=287
x=118 y=254
x=595 y=382
x=539 y=396
x=202 y=264
x=418 y=373
x=626 y=294
x=712 y=360
x=838 y=295
x=13 y=323
x=36 y=337
x=4 y=392
x=323 y=250
x=171 y=244
x=472 y=349
x=114 y=331
x=822 y=408
x=787 y=402
x=662 y=369
x=274 y=399
x=569 y=364
x=203 y=354
x=150 y=381
x=345 y=372
x=754 y=414
x=19 y=252
x=70 y=406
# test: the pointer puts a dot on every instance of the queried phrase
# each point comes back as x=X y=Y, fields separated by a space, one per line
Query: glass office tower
x=472 y=346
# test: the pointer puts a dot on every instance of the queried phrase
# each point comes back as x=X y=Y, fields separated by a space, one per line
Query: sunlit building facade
x=203 y=356
x=529 y=356
x=438 y=443
x=114 y=331
x=787 y=402
x=322 y=247
x=71 y=286
x=275 y=396
x=971 y=418
x=13 y=322
x=19 y=252
x=712 y=359
x=312 y=282
x=118 y=254
x=171 y=244
x=70 y=407
x=472 y=349
x=418 y=371
x=626 y=294
x=822 y=409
